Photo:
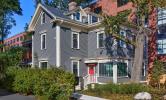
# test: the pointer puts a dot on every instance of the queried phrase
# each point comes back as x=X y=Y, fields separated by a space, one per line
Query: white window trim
x=42 y=40
x=42 y=17
x=77 y=66
x=98 y=39
x=41 y=62
x=107 y=61
x=78 y=39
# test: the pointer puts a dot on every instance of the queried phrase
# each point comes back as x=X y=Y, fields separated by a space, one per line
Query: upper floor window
x=121 y=42
x=122 y=2
x=161 y=46
x=100 y=40
x=77 y=16
x=75 y=40
x=75 y=68
x=43 y=41
x=43 y=18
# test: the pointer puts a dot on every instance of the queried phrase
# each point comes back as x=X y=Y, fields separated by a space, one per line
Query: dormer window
x=43 y=19
x=94 y=19
x=77 y=16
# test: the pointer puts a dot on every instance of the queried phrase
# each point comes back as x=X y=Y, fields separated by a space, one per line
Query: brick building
x=20 y=40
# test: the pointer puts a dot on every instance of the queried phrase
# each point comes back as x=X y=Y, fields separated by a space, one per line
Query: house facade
x=76 y=42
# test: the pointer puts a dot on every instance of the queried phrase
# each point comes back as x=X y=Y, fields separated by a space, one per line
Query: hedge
x=119 y=88
x=54 y=83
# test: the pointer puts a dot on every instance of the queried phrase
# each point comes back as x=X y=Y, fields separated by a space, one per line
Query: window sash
x=106 y=69
x=75 y=40
x=75 y=68
x=43 y=65
x=43 y=41
x=100 y=40
x=122 y=69
x=43 y=18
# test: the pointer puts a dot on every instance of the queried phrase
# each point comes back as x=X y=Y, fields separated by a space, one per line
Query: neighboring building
x=162 y=34
x=20 y=40
x=76 y=41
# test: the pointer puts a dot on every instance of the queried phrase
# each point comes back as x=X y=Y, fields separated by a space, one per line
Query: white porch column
x=115 y=68
x=33 y=65
x=58 y=53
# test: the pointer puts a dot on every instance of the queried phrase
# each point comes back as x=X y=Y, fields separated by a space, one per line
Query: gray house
x=75 y=41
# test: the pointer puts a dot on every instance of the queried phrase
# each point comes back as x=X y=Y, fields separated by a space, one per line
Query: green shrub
x=119 y=88
x=54 y=83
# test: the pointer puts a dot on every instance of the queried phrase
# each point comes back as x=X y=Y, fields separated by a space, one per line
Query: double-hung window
x=122 y=69
x=75 y=40
x=100 y=40
x=43 y=41
x=43 y=64
x=43 y=18
x=75 y=68
x=77 y=16
x=106 y=69
x=121 y=42
x=161 y=46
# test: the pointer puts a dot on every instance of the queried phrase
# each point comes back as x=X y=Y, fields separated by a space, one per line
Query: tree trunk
x=138 y=58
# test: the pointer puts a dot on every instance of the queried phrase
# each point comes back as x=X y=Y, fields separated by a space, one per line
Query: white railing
x=89 y=79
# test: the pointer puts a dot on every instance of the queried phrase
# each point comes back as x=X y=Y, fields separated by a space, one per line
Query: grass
x=108 y=93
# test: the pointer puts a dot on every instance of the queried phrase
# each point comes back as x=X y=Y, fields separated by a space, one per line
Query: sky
x=28 y=11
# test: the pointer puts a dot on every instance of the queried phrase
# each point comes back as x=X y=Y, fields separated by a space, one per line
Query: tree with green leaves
x=113 y=26
x=61 y=4
x=157 y=71
x=7 y=9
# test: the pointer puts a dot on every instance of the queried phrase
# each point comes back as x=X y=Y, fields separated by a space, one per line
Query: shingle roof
x=56 y=11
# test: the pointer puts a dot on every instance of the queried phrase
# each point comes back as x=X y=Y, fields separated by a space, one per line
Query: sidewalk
x=86 y=97
x=4 y=95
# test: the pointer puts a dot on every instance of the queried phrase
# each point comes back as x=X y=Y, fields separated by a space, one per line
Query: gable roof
x=53 y=12
x=56 y=11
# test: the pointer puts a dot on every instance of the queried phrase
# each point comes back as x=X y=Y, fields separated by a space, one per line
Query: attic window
x=43 y=19
x=77 y=16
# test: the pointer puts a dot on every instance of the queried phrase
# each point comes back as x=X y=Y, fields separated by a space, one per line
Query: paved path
x=4 y=95
x=86 y=97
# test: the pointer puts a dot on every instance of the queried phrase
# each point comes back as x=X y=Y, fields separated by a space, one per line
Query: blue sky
x=28 y=11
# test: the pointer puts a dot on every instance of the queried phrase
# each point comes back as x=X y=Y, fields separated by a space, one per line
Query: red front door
x=91 y=71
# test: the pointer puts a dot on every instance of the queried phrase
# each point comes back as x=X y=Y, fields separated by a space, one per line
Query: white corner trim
x=36 y=12
x=33 y=62
x=58 y=48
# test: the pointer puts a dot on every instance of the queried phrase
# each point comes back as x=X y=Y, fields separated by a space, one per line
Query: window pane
x=75 y=41
x=43 y=41
x=101 y=40
x=75 y=68
x=94 y=19
x=43 y=18
x=43 y=65
x=122 y=69
x=106 y=69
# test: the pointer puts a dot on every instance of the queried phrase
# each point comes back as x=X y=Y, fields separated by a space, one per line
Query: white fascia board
x=31 y=27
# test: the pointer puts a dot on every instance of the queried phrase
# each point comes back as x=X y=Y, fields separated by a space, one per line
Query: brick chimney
x=72 y=5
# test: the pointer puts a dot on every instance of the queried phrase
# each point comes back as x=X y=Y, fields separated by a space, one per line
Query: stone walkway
x=4 y=95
